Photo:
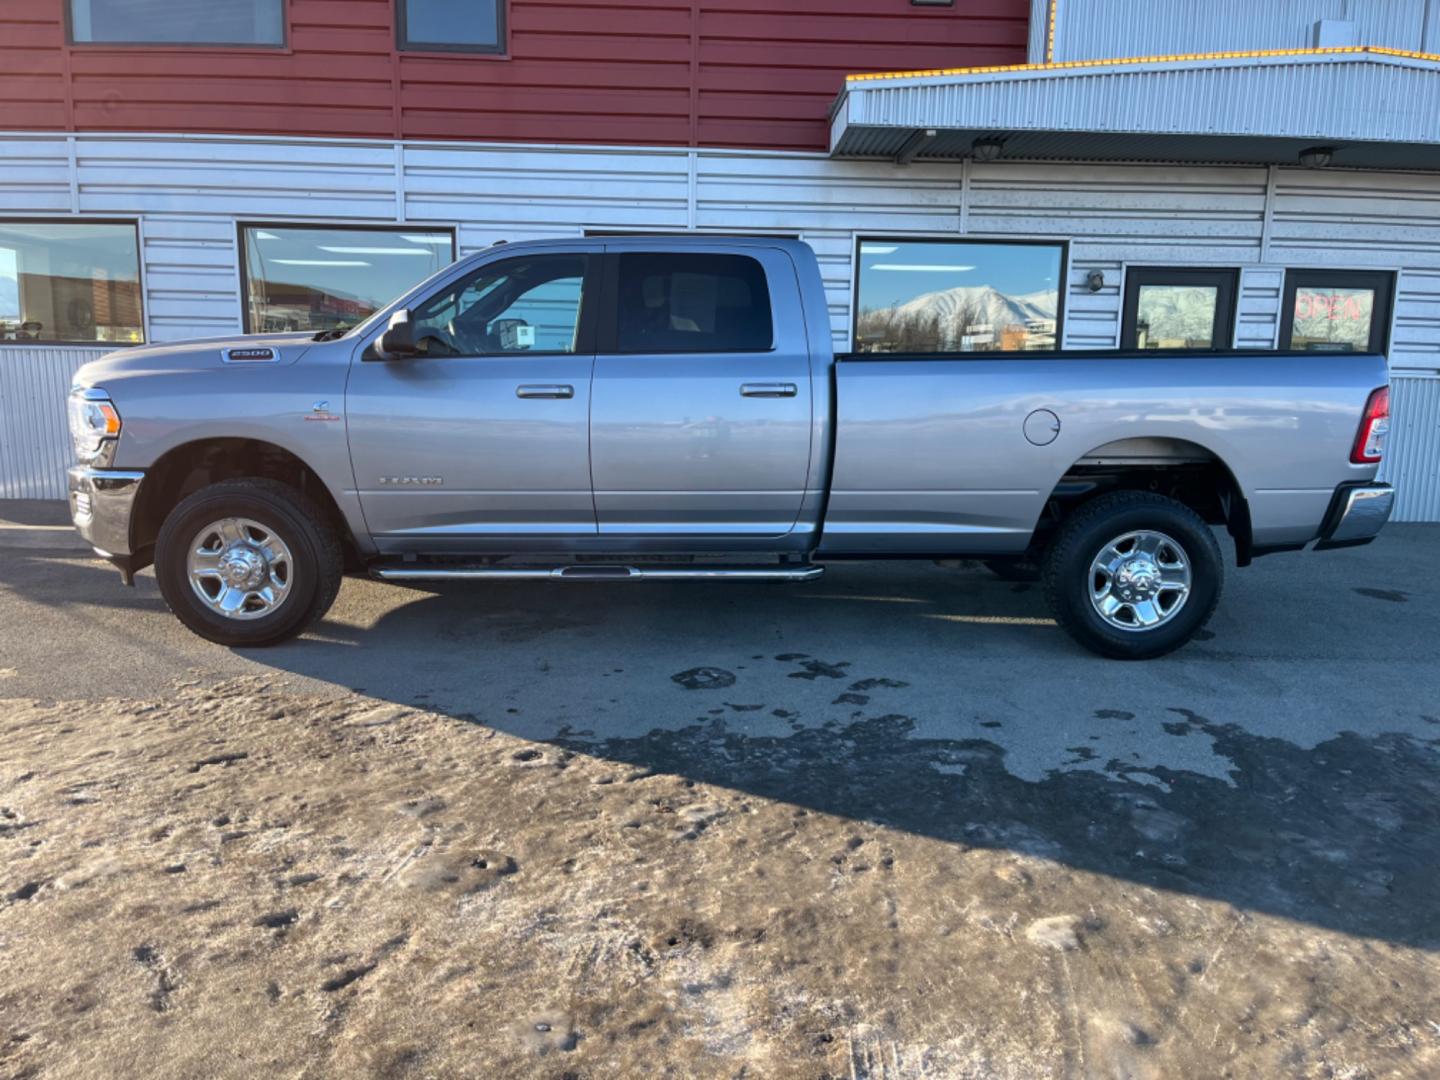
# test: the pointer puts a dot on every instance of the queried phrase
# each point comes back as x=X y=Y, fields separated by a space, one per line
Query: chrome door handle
x=549 y=391
x=768 y=389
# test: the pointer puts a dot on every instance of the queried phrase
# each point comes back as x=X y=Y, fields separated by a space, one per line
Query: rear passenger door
x=701 y=402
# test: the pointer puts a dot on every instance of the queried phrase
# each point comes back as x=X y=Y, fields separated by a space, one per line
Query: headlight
x=94 y=425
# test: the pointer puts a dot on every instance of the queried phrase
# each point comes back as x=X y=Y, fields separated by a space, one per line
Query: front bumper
x=102 y=503
x=1357 y=513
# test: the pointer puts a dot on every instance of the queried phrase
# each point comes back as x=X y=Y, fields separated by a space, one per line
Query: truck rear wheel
x=248 y=562
x=1132 y=575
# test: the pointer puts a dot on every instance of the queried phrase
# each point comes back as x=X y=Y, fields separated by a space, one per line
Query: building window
x=1178 y=308
x=957 y=296
x=70 y=282
x=177 y=22
x=451 y=25
x=324 y=277
x=698 y=303
x=522 y=305
x=1336 y=310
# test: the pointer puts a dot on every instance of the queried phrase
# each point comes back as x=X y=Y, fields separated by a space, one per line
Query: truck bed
x=939 y=453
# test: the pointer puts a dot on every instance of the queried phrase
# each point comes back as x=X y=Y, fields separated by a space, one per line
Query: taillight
x=1369 y=445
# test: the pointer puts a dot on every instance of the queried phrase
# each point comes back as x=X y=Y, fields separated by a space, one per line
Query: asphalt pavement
x=1302 y=648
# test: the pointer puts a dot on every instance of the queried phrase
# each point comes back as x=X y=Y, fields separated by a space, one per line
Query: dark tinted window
x=1178 y=308
x=452 y=25
x=692 y=303
x=178 y=22
x=1336 y=310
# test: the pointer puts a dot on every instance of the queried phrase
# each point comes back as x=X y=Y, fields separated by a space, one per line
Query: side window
x=523 y=305
x=1178 y=308
x=1336 y=310
x=692 y=303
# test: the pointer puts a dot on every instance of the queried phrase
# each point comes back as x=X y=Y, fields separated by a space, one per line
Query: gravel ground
x=891 y=825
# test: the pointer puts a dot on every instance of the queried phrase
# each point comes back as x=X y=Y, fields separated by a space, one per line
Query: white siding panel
x=1412 y=458
x=1137 y=214
x=835 y=252
x=246 y=178
x=34 y=175
x=1257 y=308
x=1415 y=340
x=191 y=277
x=1092 y=319
x=538 y=192
x=739 y=193
x=34 y=437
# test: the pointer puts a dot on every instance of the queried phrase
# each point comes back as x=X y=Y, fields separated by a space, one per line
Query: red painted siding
x=680 y=72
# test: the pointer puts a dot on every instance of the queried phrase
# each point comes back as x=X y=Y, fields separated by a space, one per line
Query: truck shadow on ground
x=1343 y=835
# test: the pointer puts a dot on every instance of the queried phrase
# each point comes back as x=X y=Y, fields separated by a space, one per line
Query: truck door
x=484 y=435
x=701 y=403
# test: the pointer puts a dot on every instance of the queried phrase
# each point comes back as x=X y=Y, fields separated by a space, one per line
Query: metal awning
x=1372 y=107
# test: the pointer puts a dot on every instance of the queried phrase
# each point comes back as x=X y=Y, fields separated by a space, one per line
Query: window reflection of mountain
x=971 y=318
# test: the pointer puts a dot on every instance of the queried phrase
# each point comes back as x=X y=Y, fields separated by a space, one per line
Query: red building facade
x=717 y=73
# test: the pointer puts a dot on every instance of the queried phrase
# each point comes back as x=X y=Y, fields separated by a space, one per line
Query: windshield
x=383 y=313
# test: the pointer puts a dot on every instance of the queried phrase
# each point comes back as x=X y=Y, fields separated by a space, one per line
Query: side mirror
x=398 y=341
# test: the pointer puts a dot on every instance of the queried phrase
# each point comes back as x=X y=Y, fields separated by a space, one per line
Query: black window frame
x=142 y=43
x=591 y=294
x=242 y=258
x=134 y=224
x=608 y=339
x=1226 y=279
x=1062 y=285
x=500 y=48
x=1382 y=312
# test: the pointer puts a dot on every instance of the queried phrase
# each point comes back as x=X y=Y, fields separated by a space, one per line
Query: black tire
x=1019 y=570
x=294 y=518
x=1080 y=539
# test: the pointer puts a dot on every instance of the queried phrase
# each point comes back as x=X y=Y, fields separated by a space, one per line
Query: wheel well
x=192 y=466
x=1181 y=470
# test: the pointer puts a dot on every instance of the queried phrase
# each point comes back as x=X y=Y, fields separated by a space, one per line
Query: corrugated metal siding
x=1100 y=29
x=1358 y=97
x=1412 y=461
x=679 y=72
x=34 y=438
x=187 y=191
x=1257 y=308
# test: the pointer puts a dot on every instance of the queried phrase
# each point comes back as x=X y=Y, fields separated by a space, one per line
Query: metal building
x=1220 y=174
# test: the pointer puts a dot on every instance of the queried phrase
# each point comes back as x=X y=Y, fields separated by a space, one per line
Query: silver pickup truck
x=670 y=408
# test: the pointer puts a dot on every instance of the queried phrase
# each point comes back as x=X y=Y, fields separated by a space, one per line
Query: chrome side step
x=598 y=572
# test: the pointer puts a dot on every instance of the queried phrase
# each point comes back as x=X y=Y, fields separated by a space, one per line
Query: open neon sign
x=1353 y=306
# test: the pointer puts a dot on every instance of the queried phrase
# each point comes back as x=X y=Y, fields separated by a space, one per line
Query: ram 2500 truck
x=671 y=408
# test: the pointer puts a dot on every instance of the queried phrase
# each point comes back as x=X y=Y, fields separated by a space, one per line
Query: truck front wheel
x=1132 y=575
x=248 y=562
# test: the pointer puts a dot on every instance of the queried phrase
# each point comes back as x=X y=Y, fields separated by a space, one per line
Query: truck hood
x=197 y=354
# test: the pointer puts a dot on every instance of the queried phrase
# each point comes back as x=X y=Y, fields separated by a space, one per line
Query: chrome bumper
x=101 y=504
x=1356 y=515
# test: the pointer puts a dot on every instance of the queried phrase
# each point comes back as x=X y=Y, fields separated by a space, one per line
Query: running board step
x=599 y=572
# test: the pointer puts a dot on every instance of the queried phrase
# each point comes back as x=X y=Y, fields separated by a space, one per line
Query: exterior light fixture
x=1316 y=157
x=986 y=149
x=1095 y=280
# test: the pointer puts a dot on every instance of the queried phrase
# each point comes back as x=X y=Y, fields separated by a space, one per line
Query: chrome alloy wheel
x=1140 y=580
x=239 y=568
